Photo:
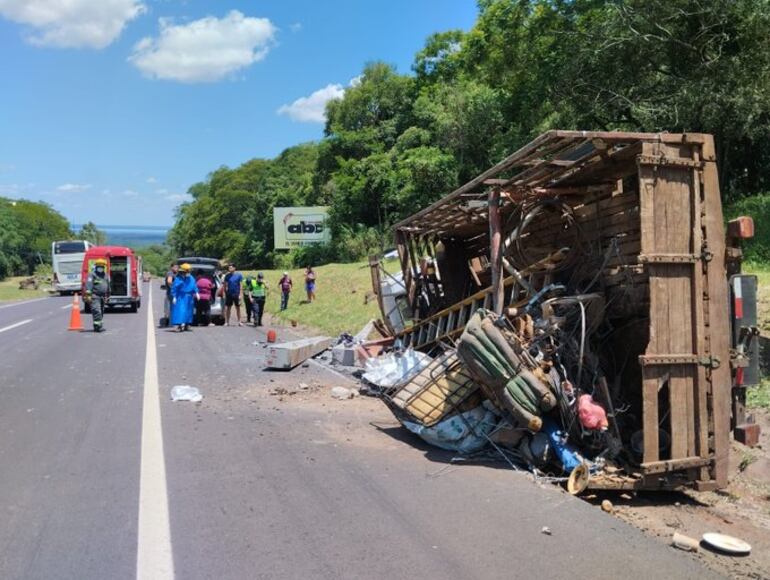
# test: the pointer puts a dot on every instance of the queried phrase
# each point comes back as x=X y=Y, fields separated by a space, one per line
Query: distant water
x=132 y=236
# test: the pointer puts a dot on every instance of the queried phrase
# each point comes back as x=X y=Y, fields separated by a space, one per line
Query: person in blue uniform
x=184 y=293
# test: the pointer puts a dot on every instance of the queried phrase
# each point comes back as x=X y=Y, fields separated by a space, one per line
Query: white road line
x=22 y=302
x=66 y=306
x=17 y=325
x=154 y=559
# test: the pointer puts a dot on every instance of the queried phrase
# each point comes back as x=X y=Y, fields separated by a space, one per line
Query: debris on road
x=341 y=393
x=186 y=393
x=391 y=369
x=546 y=530
x=726 y=544
x=31 y=283
x=287 y=355
x=685 y=543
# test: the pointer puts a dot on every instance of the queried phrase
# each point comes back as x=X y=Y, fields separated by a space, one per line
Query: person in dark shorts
x=233 y=281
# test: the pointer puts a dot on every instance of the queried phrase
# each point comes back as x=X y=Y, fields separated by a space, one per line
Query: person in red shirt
x=285 y=284
x=203 y=305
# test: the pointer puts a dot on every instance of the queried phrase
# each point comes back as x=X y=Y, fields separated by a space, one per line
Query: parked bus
x=66 y=260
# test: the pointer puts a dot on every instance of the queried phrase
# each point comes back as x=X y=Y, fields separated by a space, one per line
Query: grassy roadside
x=9 y=291
x=341 y=290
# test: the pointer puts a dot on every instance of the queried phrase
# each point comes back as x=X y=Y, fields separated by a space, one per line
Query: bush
x=283 y=260
x=758 y=207
x=349 y=245
x=156 y=258
x=354 y=244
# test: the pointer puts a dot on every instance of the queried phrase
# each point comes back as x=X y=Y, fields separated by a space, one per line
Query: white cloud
x=179 y=197
x=74 y=187
x=205 y=50
x=161 y=191
x=151 y=179
x=10 y=189
x=312 y=109
x=355 y=81
x=295 y=27
x=72 y=23
x=129 y=193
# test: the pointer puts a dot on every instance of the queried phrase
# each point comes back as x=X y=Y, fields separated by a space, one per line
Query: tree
x=11 y=241
x=394 y=143
x=39 y=225
x=90 y=232
x=231 y=214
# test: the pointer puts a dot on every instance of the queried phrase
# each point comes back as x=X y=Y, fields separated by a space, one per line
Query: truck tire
x=133 y=308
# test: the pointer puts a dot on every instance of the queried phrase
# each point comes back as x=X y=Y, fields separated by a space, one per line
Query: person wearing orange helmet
x=184 y=293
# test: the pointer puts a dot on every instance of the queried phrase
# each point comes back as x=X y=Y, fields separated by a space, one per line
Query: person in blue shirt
x=233 y=281
x=184 y=292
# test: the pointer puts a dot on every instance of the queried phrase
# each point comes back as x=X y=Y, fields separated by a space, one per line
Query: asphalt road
x=255 y=486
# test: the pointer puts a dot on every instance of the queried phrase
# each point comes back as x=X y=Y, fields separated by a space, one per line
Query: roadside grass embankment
x=759 y=396
x=344 y=299
x=10 y=292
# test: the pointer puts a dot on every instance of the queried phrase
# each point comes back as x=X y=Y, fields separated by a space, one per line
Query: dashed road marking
x=154 y=558
x=23 y=302
x=18 y=324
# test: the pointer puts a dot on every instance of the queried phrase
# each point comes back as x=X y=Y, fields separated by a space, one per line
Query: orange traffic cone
x=75 y=322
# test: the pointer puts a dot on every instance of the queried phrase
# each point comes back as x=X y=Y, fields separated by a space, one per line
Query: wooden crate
x=436 y=391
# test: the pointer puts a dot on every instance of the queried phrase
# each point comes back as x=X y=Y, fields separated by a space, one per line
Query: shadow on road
x=435 y=454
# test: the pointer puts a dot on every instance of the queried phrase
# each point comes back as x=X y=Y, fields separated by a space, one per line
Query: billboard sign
x=300 y=226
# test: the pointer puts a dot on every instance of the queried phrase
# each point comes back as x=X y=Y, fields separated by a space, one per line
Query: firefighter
x=97 y=292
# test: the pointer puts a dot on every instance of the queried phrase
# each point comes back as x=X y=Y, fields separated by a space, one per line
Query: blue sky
x=111 y=109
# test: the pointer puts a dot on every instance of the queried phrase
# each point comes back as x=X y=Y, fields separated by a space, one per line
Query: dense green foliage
x=231 y=215
x=90 y=232
x=156 y=258
x=756 y=250
x=27 y=230
x=396 y=142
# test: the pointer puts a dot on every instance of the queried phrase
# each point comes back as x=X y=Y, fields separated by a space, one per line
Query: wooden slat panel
x=678 y=389
x=651 y=379
x=719 y=326
x=700 y=389
x=691 y=377
x=680 y=310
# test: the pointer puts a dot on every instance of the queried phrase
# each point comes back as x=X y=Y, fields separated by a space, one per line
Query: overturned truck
x=583 y=288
